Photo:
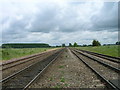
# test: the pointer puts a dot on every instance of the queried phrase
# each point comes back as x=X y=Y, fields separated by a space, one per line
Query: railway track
x=105 y=72
x=13 y=66
x=16 y=62
x=110 y=58
x=23 y=78
x=116 y=68
x=102 y=59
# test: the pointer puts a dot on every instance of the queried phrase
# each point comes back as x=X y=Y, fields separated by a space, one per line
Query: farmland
x=11 y=53
x=107 y=50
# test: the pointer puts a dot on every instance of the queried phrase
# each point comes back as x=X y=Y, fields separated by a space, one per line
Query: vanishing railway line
x=106 y=72
x=23 y=78
x=106 y=69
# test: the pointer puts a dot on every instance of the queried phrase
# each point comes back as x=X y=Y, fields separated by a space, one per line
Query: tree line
x=94 y=43
x=70 y=45
x=44 y=45
x=25 y=45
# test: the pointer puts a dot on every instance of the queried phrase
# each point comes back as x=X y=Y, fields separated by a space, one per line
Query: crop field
x=11 y=53
x=112 y=50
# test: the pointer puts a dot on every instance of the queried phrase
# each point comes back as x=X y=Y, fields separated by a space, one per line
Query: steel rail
x=110 y=85
x=41 y=72
x=20 y=63
x=24 y=58
x=17 y=60
x=13 y=75
x=103 y=63
x=110 y=58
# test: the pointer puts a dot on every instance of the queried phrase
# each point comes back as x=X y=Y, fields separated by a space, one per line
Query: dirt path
x=68 y=71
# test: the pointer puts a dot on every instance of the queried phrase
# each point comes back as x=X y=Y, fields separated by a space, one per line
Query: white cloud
x=57 y=22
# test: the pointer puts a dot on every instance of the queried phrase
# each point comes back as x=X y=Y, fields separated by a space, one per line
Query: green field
x=11 y=53
x=107 y=50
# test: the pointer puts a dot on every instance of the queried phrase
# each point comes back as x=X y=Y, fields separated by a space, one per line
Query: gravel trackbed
x=68 y=72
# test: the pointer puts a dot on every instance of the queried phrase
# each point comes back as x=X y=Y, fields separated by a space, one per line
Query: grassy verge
x=11 y=53
x=107 y=50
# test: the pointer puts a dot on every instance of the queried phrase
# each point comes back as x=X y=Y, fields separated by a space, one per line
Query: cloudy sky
x=58 y=21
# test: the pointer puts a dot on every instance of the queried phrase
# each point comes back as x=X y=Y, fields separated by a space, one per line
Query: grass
x=107 y=50
x=62 y=79
x=0 y=54
x=57 y=87
x=61 y=66
x=11 y=53
x=50 y=79
x=62 y=72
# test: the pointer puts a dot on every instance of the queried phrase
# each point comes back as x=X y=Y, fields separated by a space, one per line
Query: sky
x=58 y=21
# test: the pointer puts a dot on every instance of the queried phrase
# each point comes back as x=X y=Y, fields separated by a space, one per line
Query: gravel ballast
x=68 y=72
x=104 y=60
x=108 y=73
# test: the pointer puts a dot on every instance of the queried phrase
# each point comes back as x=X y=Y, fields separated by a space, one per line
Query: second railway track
x=26 y=76
x=108 y=63
x=110 y=58
x=107 y=74
x=16 y=65
x=16 y=62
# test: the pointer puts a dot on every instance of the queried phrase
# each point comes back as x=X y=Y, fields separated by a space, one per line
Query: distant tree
x=75 y=44
x=84 y=45
x=78 y=45
x=70 y=45
x=96 y=43
x=90 y=45
x=118 y=43
x=58 y=46
x=63 y=45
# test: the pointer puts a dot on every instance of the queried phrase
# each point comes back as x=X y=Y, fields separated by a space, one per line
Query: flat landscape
x=60 y=44
x=62 y=68
x=12 y=53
